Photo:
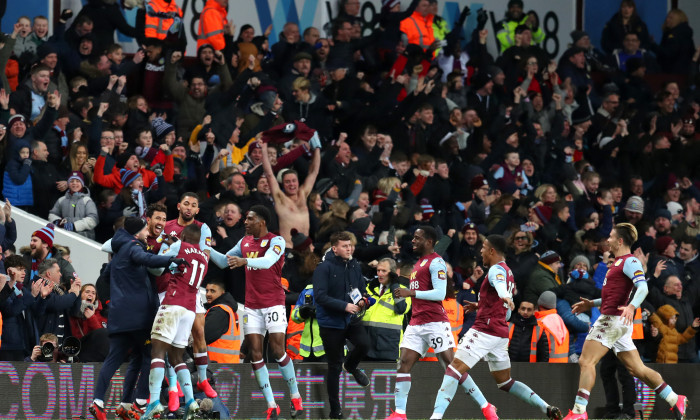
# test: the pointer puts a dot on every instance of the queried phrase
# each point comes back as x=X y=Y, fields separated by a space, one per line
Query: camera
x=71 y=348
x=47 y=352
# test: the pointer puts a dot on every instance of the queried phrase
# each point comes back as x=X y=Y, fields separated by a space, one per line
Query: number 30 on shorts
x=273 y=317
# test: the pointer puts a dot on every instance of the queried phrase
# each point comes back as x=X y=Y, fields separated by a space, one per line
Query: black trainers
x=554 y=413
x=338 y=415
x=359 y=375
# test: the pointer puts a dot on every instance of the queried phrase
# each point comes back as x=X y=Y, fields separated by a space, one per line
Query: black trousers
x=334 y=345
x=120 y=344
x=610 y=365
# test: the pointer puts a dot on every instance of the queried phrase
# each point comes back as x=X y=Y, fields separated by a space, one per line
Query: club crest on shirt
x=263 y=243
x=442 y=275
x=422 y=263
x=618 y=262
x=277 y=249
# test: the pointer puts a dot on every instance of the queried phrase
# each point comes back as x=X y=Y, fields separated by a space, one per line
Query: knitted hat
x=469 y=226
x=388 y=4
x=162 y=128
x=577 y=35
x=323 y=185
x=544 y=213
x=674 y=208
x=547 y=300
x=15 y=119
x=134 y=225
x=77 y=175
x=427 y=209
x=672 y=183
x=662 y=243
x=478 y=182
x=45 y=49
x=662 y=213
x=45 y=234
x=285 y=132
x=635 y=204
x=300 y=241
x=128 y=176
x=122 y=159
x=361 y=224
x=515 y=3
x=480 y=80
x=550 y=257
x=302 y=56
x=579 y=259
x=581 y=115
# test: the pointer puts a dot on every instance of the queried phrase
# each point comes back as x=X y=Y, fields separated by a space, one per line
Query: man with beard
x=156 y=216
x=41 y=248
x=188 y=208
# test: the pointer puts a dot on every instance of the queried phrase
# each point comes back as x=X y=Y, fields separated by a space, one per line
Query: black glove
x=307 y=311
x=179 y=262
x=465 y=12
x=481 y=18
x=66 y=14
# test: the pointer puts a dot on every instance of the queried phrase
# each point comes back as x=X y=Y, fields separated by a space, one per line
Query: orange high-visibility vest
x=294 y=331
x=157 y=26
x=558 y=352
x=455 y=314
x=536 y=334
x=227 y=349
x=211 y=26
x=418 y=29
x=637 y=326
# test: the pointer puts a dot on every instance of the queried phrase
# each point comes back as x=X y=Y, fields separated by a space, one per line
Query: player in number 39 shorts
x=433 y=334
x=172 y=325
x=272 y=319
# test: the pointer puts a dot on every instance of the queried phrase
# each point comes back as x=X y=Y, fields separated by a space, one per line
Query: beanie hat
x=45 y=49
x=674 y=208
x=128 y=176
x=550 y=257
x=662 y=243
x=361 y=224
x=323 y=185
x=547 y=300
x=286 y=132
x=469 y=226
x=579 y=259
x=581 y=115
x=544 y=213
x=134 y=225
x=662 y=213
x=672 y=183
x=480 y=79
x=46 y=234
x=162 y=128
x=15 y=119
x=388 y=4
x=515 y=3
x=478 y=182
x=577 y=35
x=300 y=241
x=635 y=204
x=77 y=175
x=302 y=56
x=633 y=64
x=427 y=209
x=122 y=159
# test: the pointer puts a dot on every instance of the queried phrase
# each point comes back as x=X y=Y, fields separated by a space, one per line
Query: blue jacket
x=18 y=329
x=133 y=299
x=333 y=280
x=17 y=183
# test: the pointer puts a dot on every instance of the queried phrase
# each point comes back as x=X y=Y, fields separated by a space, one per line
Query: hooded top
x=671 y=338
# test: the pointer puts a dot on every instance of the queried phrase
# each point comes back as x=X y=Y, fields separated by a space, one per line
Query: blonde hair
x=385 y=185
x=539 y=192
x=301 y=83
x=680 y=17
x=627 y=232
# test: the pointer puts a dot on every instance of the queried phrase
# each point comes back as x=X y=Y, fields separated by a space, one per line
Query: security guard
x=222 y=328
x=160 y=16
x=514 y=18
x=384 y=319
x=311 y=345
x=212 y=22
x=553 y=326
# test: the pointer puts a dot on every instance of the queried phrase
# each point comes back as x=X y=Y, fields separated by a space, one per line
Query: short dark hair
x=217 y=281
x=498 y=243
x=430 y=233
x=262 y=212
x=340 y=236
x=152 y=208
x=686 y=240
x=191 y=233
x=15 y=261
x=188 y=194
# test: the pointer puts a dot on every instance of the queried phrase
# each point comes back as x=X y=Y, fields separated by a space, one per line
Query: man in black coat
x=217 y=320
x=522 y=325
x=47 y=183
x=59 y=304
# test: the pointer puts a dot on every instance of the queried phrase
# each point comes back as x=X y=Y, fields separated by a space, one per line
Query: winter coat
x=386 y=310
x=44 y=178
x=684 y=306
x=519 y=343
x=17 y=184
x=53 y=317
x=79 y=209
x=133 y=299
x=333 y=280
x=314 y=113
x=675 y=52
x=541 y=280
x=107 y=17
x=668 y=348
x=217 y=320
x=18 y=328
x=81 y=326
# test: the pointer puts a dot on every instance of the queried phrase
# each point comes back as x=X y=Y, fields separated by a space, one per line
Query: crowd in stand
x=372 y=133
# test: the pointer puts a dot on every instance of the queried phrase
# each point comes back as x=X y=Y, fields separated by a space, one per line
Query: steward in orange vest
x=211 y=25
x=160 y=16
x=222 y=328
x=294 y=331
x=553 y=327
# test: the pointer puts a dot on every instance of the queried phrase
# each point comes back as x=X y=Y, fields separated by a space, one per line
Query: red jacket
x=80 y=327
x=114 y=180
